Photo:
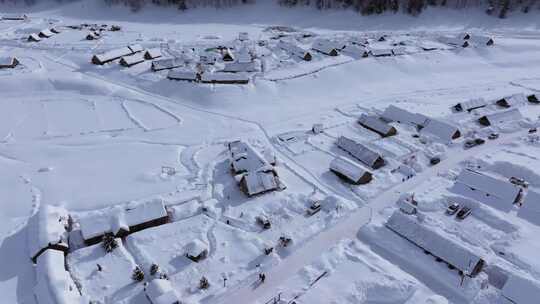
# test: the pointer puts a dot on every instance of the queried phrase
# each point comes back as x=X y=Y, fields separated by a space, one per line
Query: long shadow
x=16 y=264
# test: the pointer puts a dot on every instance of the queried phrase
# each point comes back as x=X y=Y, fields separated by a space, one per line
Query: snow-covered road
x=346 y=229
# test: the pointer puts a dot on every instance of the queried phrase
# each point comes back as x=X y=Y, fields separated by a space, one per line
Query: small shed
x=258 y=182
x=225 y=78
x=152 y=54
x=34 y=38
x=196 y=250
x=499 y=118
x=520 y=290
x=160 y=291
x=8 y=62
x=55 y=30
x=377 y=125
x=326 y=47
x=470 y=105
x=129 y=61
x=533 y=99
x=45 y=33
x=530 y=210
x=512 y=100
x=350 y=171
x=167 y=64
x=359 y=151
x=183 y=74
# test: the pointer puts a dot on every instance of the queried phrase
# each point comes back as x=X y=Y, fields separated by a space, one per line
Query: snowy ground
x=87 y=137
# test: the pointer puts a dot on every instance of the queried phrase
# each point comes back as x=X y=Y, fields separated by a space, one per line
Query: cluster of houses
x=254 y=173
x=509 y=103
x=44 y=34
x=465 y=40
x=129 y=55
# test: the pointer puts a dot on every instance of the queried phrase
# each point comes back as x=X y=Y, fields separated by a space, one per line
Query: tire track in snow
x=131 y=117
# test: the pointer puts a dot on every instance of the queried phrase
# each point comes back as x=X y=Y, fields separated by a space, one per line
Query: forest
x=496 y=8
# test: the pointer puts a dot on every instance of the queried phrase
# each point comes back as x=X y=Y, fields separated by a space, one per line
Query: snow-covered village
x=269 y=152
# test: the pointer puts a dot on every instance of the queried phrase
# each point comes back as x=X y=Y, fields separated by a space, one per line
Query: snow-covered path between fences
x=348 y=228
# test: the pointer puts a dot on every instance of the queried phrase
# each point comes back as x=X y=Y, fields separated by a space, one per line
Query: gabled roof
x=513 y=100
x=152 y=53
x=160 y=291
x=481 y=40
x=376 y=124
x=393 y=113
x=54 y=284
x=530 y=210
x=441 y=129
x=256 y=182
x=196 y=247
x=354 y=49
x=440 y=246
x=501 y=117
x=97 y=223
x=472 y=104
x=293 y=49
x=348 y=169
x=520 y=290
x=399 y=51
x=360 y=152
x=8 y=61
x=47 y=227
x=381 y=52
x=135 y=48
x=46 y=33
x=244 y=158
x=222 y=77
x=132 y=59
x=489 y=190
x=34 y=37
x=326 y=47
x=113 y=54
x=237 y=67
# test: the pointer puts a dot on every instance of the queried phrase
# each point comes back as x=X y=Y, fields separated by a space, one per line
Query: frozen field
x=103 y=140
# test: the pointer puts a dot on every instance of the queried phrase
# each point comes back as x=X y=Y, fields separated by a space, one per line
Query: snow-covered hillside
x=171 y=156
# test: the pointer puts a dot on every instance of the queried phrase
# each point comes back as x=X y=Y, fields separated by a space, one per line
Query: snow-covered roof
x=236 y=67
x=521 y=290
x=167 y=63
x=489 y=190
x=132 y=59
x=376 y=124
x=107 y=220
x=472 y=104
x=53 y=283
x=244 y=158
x=456 y=41
x=348 y=169
x=160 y=291
x=183 y=74
x=256 y=182
x=325 y=46
x=34 y=37
x=503 y=117
x=135 y=48
x=293 y=49
x=113 y=54
x=359 y=151
x=358 y=40
x=481 y=40
x=355 y=50
x=440 y=246
x=196 y=247
x=47 y=227
x=530 y=210
x=243 y=56
x=441 y=129
x=46 y=33
x=380 y=52
x=152 y=53
x=514 y=100
x=222 y=77
x=393 y=113
x=7 y=61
